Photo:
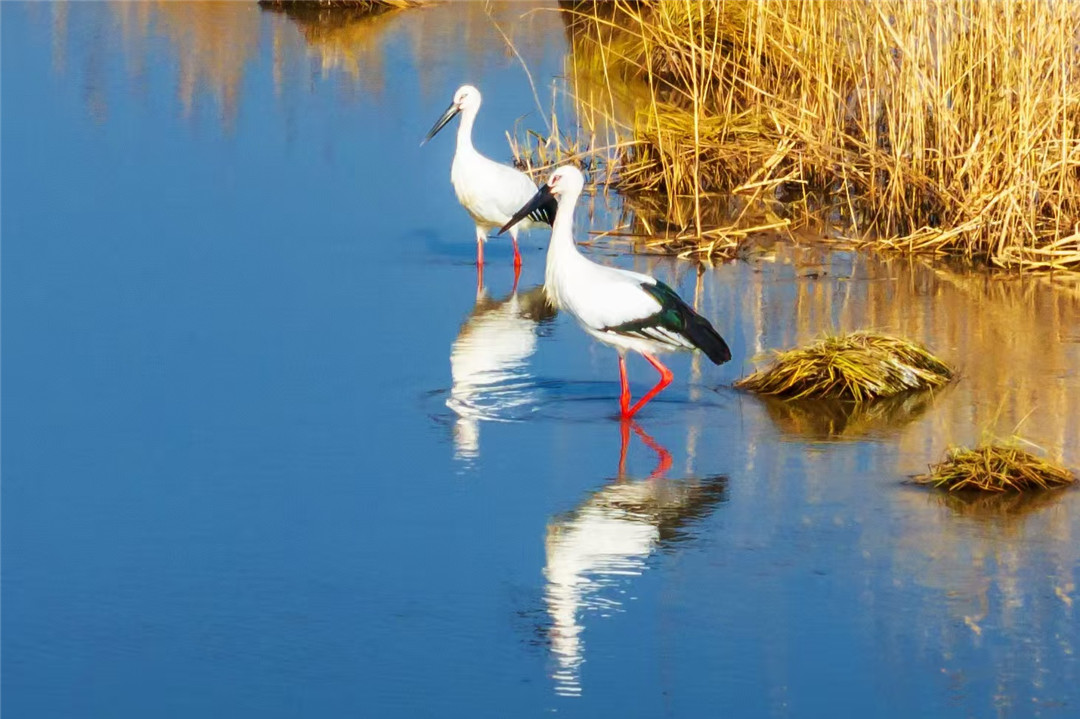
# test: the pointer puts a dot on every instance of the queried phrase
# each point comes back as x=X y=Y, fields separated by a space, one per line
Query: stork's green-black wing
x=674 y=320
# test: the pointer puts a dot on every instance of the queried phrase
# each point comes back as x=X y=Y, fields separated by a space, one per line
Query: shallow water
x=267 y=453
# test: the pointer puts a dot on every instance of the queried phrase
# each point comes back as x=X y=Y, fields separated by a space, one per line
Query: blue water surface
x=266 y=453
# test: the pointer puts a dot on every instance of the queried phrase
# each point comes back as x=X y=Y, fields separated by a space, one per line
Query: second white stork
x=627 y=310
x=491 y=192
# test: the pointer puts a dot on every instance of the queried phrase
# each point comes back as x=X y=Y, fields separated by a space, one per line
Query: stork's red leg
x=481 y=235
x=517 y=253
x=665 y=380
x=624 y=397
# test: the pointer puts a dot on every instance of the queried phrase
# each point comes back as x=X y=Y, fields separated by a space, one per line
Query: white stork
x=627 y=310
x=489 y=191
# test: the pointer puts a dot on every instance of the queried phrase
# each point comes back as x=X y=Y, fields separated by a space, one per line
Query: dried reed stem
x=941 y=126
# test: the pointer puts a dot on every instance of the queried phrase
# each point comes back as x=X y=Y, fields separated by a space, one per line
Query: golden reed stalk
x=941 y=126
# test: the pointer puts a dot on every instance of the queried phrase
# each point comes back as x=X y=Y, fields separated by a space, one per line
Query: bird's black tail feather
x=680 y=317
x=698 y=330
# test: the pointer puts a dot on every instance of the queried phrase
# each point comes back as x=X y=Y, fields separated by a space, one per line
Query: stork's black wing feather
x=546 y=211
x=675 y=316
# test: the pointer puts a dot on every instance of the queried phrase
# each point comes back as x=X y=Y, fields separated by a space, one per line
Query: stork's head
x=565 y=184
x=466 y=99
x=566 y=180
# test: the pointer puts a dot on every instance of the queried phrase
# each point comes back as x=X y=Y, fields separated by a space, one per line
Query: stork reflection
x=489 y=362
x=594 y=552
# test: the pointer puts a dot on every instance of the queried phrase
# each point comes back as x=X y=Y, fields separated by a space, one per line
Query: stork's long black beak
x=543 y=200
x=446 y=117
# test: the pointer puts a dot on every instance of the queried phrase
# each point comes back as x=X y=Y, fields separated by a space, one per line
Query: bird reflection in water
x=489 y=363
x=594 y=551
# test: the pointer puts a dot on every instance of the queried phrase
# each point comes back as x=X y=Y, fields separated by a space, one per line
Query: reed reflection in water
x=489 y=367
x=594 y=551
x=218 y=47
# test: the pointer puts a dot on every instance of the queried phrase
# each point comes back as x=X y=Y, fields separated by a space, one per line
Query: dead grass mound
x=994 y=468
x=859 y=366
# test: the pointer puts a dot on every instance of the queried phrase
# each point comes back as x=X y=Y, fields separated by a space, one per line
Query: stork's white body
x=489 y=191
x=601 y=297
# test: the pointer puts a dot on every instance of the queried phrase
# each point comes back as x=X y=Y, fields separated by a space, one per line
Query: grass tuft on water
x=994 y=468
x=859 y=366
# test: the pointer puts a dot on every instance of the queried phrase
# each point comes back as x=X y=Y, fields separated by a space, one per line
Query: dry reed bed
x=994 y=468
x=859 y=366
x=947 y=126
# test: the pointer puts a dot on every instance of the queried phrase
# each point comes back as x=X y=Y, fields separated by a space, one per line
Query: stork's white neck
x=562 y=231
x=464 y=131
x=561 y=248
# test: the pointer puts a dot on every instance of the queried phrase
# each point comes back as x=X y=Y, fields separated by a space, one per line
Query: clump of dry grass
x=944 y=126
x=994 y=468
x=859 y=366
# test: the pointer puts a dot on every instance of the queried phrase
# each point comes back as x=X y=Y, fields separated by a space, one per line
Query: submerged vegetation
x=859 y=366
x=994 y=468
x=946 y=126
